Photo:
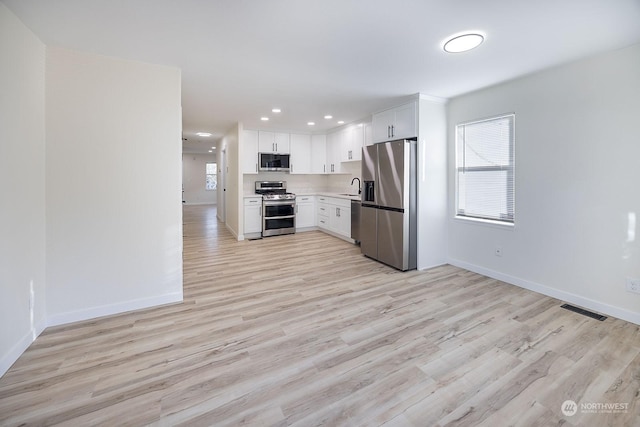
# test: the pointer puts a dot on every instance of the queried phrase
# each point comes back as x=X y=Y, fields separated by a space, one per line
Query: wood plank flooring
x=302 y=330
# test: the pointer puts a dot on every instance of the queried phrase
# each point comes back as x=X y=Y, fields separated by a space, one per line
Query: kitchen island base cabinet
x=334 y=216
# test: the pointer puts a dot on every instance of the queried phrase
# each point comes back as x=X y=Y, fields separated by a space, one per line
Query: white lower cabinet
x=323 y=213
x=252 y=215
x=334 y=215
x=340 y=220
x=305 y=212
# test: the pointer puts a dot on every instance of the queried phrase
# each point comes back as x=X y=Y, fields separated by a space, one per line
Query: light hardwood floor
x=302 y=330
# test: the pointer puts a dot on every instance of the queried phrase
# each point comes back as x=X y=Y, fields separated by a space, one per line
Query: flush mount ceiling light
x=203 y=134
x=463 y=42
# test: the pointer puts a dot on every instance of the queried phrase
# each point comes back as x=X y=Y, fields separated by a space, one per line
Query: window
x=212 y=177
x=485 y=169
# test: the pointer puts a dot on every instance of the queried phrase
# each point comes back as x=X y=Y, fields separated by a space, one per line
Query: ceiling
x=348 y=58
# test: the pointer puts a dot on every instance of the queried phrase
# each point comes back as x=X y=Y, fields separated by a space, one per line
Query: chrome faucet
x=359 y=184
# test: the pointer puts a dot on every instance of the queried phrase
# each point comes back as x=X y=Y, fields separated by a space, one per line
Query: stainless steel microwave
x=273 y=162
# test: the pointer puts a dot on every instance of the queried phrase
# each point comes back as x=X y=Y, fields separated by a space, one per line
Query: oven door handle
x=275 y=203
x=267 y=218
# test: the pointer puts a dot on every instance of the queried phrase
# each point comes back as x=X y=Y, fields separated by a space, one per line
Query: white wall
x=233 y=181
x=194 y=179
x=432 y=182
x=577 y=175
x=113 y=197
x=22 y=191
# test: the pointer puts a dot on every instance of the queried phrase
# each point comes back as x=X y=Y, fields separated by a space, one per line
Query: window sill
x=487 y=222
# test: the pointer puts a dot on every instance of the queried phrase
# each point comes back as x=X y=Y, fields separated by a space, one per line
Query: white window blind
x=485 y=169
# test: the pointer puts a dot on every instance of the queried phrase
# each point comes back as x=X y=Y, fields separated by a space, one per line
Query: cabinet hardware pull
x=393 y=130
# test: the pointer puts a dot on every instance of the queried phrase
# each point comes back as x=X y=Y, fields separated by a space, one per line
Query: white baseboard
x=110 y=309
x=610 y=310
x=339 y=236
x=234 y=232
x=305 y=229
x=198 y=203
x=16 y=351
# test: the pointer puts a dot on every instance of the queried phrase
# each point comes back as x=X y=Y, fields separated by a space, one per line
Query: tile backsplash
x=338 y=183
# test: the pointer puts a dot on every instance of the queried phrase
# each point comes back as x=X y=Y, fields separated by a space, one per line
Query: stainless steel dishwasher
x=355 y=220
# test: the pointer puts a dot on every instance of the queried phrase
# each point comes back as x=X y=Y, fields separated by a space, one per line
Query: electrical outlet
x=633 y=285
x=498 y=251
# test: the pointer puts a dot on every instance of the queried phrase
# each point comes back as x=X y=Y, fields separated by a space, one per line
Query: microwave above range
x=273 y=162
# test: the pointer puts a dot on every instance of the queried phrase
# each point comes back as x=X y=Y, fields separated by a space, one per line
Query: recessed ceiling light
x=211 y=151
x=328 y=116
x=204 y=134
x=276 y=110
x=264 y=119
x=311 y=123
x=340 y=122
x=213 y=148
x=463 y=42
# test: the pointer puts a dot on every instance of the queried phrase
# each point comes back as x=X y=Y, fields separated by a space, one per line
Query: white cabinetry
x=252 y=215
x=305 y=212
x=368 y=136
x=318 y=153
x=340 y=219
x=334 y=215
x=323 y=213
x=333 y=152
x=300 y=149
x=273 y=142
x=396 y=123
x=351 y=143
x=249 y=143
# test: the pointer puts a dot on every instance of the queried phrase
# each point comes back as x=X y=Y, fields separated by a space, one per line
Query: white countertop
x=347 y=196
x=339 y=195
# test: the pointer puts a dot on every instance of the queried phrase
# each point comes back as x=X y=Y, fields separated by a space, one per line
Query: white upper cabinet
x=249 y=143
x=406 y=124
x=318 y=153
x=368 y=135
x=300 y=149
x=381 y=125
x=273 y=142
x=334 y=143
x=355 y=143
x=396 y=123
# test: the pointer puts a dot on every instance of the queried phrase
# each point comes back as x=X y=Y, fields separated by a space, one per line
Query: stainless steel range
x=278 y=208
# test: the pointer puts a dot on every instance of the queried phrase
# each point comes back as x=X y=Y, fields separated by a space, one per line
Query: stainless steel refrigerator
x=388 y=216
